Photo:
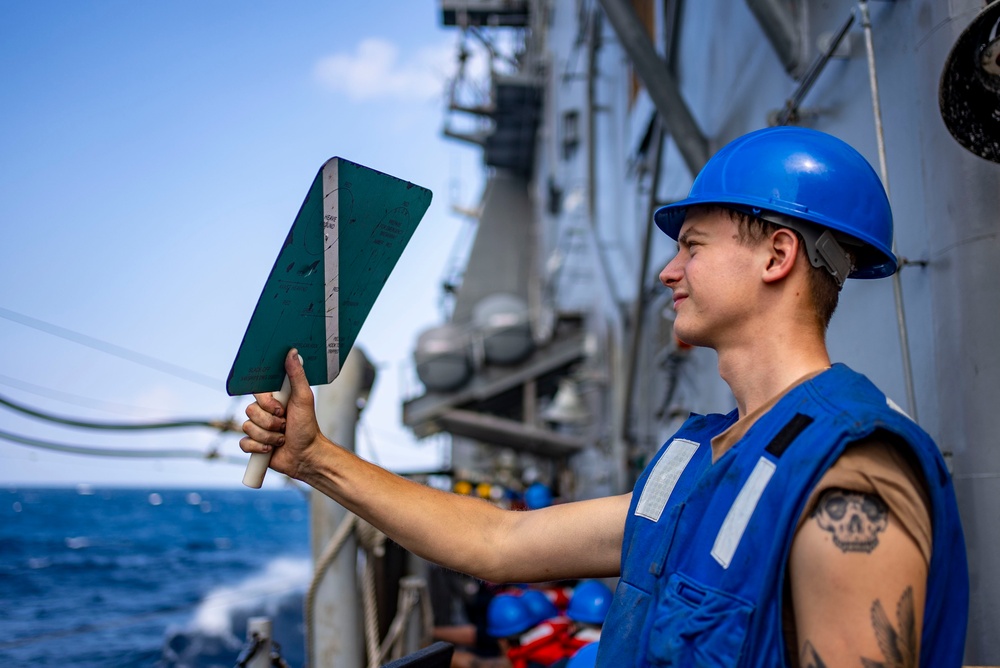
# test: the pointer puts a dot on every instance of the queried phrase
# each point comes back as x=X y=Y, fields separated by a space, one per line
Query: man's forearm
x=571 y=540
x=457 y=532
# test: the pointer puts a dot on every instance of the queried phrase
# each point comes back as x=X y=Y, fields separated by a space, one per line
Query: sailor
x=538 y=495
x=815 y=524
x=585 y=657
x=459 y=605
x=541 y=607
x=587 y=610
x=558 y=593
x=527 y=641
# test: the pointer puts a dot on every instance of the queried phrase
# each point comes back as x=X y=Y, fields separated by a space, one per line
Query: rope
x=373 y=542
x=337 y=540
x=413 y=592
x=392 y=646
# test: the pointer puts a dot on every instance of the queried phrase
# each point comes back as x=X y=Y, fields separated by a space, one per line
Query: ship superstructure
x=558 y=363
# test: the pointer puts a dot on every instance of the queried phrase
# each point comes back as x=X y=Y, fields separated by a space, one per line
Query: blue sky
x=152 y=158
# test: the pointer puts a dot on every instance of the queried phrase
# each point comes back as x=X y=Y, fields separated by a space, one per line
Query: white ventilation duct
x=443 y=358
x=502 y=322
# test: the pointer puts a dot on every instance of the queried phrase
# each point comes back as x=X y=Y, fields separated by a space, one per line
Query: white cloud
x=376 y=70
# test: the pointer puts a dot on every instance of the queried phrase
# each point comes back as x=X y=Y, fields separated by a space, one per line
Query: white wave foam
x=280 y=578
x=77 y=542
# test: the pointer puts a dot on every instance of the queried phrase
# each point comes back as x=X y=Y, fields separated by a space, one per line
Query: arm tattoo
x=899 y=648
x=853 y=518
x=810 y=658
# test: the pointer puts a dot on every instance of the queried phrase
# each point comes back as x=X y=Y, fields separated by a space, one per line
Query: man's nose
x=670 y=273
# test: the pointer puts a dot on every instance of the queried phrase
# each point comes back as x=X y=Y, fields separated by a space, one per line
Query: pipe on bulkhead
x=659 y=82
x=779 y=26
x=897 y=284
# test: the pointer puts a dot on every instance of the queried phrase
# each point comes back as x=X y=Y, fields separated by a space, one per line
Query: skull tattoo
x=854 y=519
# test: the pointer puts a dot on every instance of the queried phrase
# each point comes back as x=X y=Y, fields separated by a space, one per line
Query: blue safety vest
x=706 y=545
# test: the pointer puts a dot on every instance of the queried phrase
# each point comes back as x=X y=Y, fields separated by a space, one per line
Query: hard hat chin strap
x=822 y=247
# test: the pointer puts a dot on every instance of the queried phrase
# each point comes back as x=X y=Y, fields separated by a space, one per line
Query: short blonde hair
x=823 y=287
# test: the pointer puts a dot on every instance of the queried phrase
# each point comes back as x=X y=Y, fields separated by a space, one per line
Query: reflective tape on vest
x=663 y=478
x=738 y=517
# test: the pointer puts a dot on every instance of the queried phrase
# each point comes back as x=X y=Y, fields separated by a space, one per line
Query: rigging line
x=115 y=452
x=70 y=398
x=221 y=425
x=112 y=349
x=213 y=447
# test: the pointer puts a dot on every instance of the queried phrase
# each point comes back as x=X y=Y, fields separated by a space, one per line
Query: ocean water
x=141 y=577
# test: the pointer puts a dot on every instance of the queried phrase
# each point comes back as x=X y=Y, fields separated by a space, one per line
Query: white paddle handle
x=257 y=466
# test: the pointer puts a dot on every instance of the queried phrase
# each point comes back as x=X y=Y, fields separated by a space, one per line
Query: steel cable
x=116 y=452
x=221 y=425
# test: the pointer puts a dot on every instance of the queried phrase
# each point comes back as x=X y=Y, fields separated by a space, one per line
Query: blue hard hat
x=537 y=496
x=585 y=657
x=590 y=603
x=507 y=615
x=540 y=606
x=802 y=173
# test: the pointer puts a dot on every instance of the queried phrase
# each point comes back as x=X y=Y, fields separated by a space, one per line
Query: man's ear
x=782 y=248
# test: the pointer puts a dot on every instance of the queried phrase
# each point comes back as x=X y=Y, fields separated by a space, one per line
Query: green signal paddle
x=344 y=242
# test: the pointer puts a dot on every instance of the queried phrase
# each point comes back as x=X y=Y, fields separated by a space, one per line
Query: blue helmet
x=537 y=496
x=540 y=606
x=507 y=615
x=802 y=174
x=585 y=657
x=590 y=603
